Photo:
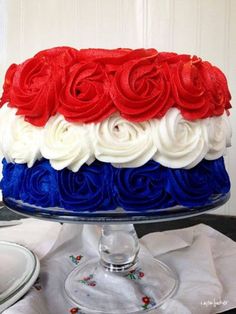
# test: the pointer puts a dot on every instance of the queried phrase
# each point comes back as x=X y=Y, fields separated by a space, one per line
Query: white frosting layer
x=172 y=141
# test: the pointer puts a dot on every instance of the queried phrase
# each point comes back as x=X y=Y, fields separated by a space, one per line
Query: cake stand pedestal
x=124 y=279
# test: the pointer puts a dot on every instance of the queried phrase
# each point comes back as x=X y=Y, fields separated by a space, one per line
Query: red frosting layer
x=88 y=85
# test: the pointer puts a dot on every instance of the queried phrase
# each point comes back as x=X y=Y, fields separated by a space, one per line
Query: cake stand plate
x=125 y=279
x=117 y=216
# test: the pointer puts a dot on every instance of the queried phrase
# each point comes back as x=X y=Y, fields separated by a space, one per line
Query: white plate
x=19 y=268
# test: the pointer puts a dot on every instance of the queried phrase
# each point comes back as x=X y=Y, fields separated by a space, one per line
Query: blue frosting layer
x=100 y=186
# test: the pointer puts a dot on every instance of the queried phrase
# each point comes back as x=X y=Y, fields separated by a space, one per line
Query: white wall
x=203 y=27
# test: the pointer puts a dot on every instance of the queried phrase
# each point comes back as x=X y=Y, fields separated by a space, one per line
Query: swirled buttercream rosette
x=219 y=132
x=142 y=188
x=180 y=143
x=66 y=144
x=19 y=140
x=38 y=185
x=194 y=186
x=86 y=189
x=123 y=143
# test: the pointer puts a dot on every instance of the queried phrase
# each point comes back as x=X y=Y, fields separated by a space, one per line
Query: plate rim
x=25 y=286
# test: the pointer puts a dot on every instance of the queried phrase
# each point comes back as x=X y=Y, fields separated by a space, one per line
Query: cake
x=93 y=130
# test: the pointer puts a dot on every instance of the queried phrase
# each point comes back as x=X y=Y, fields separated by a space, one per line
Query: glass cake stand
x=124 y=279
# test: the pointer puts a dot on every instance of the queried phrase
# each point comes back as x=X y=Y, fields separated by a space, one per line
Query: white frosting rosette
x=66 y=144
x=19 y=139
x=220 y=133
x=180 y=143
x=123 y=143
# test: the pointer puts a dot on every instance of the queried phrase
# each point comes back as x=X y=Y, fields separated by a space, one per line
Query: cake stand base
x=123 y=280
x=146 y=286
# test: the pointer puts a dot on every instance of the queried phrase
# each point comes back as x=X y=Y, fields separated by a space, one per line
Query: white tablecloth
x=203 y=258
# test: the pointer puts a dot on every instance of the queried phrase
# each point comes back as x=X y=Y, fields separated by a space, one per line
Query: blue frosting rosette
x=86 y=189
x=142 y=188
x=195 y=186
x=12 y=175
x=38 y=186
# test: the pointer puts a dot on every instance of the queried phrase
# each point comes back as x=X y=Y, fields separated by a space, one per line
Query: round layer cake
x=95 y=129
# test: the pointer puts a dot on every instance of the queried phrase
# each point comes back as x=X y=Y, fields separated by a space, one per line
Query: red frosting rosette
x=217 y=88
x=85 y=95
x=34 y=91
x=36 y=83
x=88 y=85
x=141 y=89
x=200 y=90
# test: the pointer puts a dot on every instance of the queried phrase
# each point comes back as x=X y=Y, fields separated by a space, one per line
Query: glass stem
x=118 y=247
